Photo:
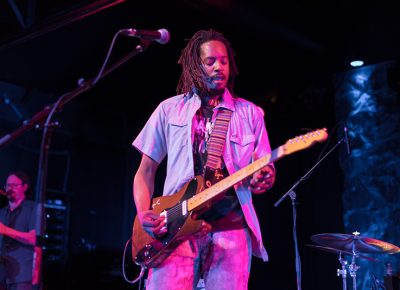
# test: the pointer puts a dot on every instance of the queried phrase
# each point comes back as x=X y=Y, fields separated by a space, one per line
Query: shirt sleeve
x=262 y=145
x=151 y=139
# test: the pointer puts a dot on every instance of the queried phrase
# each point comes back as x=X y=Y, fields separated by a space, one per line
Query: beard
x=207 y=94
x=212 y=88
x=11 y=196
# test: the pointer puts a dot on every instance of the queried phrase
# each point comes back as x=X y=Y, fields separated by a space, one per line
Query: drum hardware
x=351 y=245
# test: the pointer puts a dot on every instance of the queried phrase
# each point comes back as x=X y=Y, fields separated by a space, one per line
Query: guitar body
x=149 y=251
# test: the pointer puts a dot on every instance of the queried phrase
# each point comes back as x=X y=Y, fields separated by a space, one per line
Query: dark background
x=287 y=54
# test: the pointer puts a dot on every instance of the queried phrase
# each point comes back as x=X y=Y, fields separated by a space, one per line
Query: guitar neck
x=292 y=145
x=213 y=191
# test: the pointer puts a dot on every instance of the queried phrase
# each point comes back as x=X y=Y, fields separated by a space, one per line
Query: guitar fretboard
x=211 y=192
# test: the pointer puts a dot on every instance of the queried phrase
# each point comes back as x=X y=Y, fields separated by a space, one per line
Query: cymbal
x=355 y=242
x=336 y=251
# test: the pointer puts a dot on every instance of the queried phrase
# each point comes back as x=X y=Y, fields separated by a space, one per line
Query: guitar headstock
x=304 y=141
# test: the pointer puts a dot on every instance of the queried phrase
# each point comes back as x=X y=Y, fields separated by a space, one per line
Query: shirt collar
x=21 y=205
x=227 y=100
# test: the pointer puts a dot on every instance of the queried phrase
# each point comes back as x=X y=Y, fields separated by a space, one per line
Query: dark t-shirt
x=16 y=258
x=225 y=211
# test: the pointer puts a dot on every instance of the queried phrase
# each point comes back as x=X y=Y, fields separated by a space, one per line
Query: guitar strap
x=216 y=144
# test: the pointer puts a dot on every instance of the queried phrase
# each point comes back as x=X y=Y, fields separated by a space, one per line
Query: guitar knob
x=147 y=251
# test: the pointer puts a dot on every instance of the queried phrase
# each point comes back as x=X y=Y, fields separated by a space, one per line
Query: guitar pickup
x=184 y=208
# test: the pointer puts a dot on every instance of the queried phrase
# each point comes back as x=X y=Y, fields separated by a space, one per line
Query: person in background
x=19 y=256
x=180 y=128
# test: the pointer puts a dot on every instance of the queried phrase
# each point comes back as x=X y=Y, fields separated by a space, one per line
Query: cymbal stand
x=343 y=272
x=353 y=267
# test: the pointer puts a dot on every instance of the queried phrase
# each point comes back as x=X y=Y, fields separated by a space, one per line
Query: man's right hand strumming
x=152 y=223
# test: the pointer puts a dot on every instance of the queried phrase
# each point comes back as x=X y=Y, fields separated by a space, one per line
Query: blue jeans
x=222 y=258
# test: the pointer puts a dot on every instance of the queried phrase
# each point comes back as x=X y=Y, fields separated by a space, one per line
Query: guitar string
x=174 y=211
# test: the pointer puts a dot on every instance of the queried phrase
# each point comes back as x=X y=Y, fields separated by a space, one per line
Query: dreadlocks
x=192 y=71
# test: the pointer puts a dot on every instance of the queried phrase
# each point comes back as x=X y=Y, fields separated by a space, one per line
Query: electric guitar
x=178 y=208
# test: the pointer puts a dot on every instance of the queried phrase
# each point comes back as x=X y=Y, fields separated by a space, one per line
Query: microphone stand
x=292 y=195
x=64 y=99
x=38 y=118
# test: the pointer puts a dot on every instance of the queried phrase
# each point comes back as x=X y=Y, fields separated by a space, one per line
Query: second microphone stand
x=292 y=195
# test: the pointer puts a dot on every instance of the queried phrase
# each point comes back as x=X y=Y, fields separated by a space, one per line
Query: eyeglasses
x=13 y=185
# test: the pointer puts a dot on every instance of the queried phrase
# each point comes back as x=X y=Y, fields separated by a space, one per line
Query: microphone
x=2 y=192
x=346 y=140
x=161 y=36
